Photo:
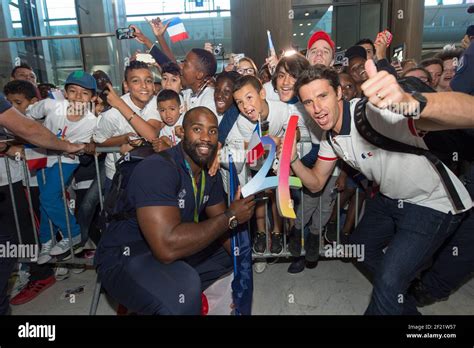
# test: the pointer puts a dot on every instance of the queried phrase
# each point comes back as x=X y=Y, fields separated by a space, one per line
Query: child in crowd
x=71 y=119
x=169 y=105
x=22 y=95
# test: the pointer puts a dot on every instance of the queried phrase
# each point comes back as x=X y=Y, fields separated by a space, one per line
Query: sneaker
x=21 y=280
x=277 y=243
x=44 y=255
x=78 y=270
x=259 y=266
x=294 y=242
x=312 y=247
x=63 y=246
x=260 y=242
x=61 y=273
x=32 y=290
x=297 y=265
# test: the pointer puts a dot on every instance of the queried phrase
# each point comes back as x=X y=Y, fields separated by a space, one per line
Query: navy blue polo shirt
x=463 y=81
x=4 y=104
x=156 y=181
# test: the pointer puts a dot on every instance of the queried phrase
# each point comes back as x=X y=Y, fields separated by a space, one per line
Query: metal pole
x=51 y=227
x=356 y=208
x=30 y=201
x=99 y=183
x=59 y=37
x=66 y=209
x=12 y=195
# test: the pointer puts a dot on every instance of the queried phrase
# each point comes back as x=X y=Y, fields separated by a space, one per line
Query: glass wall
x=445 y=22
x=345 y=21
x=207 y=23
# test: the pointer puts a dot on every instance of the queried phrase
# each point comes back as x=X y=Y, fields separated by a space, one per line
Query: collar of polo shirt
x=346 y=119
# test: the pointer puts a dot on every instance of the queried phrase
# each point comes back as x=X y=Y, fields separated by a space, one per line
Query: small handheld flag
x=270 y=44
x=176 y=29
x=255 y=147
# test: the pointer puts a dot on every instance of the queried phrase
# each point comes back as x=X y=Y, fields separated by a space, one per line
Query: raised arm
x=148 y=130
x=445 y=110
x=159 y=29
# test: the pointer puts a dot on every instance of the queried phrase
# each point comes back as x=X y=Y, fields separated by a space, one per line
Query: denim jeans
x=412 y=234
x=52 y=204
x=89 y=204
x=454 y=262
x=145 y=285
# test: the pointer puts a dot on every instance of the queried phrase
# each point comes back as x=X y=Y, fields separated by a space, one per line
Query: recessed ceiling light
x=301 y=24
x=309 y=24
x=306 y=14
x=301 y=34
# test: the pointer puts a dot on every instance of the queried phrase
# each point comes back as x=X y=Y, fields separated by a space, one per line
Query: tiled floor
x=334 y=287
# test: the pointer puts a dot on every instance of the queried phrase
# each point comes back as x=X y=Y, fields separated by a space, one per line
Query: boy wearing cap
x=72 y=120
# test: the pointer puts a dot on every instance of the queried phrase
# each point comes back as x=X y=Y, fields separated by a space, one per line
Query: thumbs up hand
x=382 y=88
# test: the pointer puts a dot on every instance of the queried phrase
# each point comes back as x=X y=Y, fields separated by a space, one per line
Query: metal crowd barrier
x=72 y=260
x=286 y=223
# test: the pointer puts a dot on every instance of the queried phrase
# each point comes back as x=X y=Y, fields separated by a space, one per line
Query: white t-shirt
x=112 y=124
x=169 y=131
x=278 y=114
x=402 y=176
x=203 y=98
x=56 y=121
x=16 y=171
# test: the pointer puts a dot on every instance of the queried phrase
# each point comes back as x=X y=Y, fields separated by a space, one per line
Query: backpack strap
x=372 y=136
x=126 y=215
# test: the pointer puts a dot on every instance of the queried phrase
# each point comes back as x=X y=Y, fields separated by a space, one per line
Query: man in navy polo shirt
x=161 y=261
x=413 y=213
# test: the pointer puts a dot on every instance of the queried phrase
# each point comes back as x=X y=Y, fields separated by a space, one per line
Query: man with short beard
x=160 y=261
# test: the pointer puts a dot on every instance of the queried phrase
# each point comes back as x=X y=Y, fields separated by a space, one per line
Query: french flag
x=176 y=29
x=36 y=158
x=255 y=148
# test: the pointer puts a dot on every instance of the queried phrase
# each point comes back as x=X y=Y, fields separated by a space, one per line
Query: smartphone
x=237 y=57
x=125 y=33
x=146 y=58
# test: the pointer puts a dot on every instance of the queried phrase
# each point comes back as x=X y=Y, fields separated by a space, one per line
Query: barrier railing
x=71 y=258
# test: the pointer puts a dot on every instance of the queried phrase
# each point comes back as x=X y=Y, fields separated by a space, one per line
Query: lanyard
x=203 y=185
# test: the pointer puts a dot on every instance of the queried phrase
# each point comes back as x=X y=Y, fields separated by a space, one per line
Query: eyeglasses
x=248 y=71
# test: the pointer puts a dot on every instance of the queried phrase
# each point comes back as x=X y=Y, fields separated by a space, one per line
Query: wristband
x=131 y=117
x=294 y=160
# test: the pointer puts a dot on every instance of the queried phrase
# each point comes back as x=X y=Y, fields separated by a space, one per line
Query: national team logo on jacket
x=365 y=155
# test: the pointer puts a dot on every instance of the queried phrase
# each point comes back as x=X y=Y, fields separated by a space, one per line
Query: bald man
x=162 y=260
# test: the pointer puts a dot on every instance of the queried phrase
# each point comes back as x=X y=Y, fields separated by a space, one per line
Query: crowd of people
x=173 y=243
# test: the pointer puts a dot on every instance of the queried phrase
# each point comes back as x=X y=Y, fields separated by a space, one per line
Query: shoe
x=78 y=270
x=32 y=290
x=61 y=273
x=44 y=255
x=259 y=266
x=78 y=249
x=277 y=243
x=312 y=247
x=297 y=265
x=421 y=294
x=260 y=242
x=63 y=246
x=21 y=280
x=294 y=242
x=330 y=232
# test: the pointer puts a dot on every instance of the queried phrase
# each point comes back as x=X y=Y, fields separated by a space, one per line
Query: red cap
x=321 y=35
